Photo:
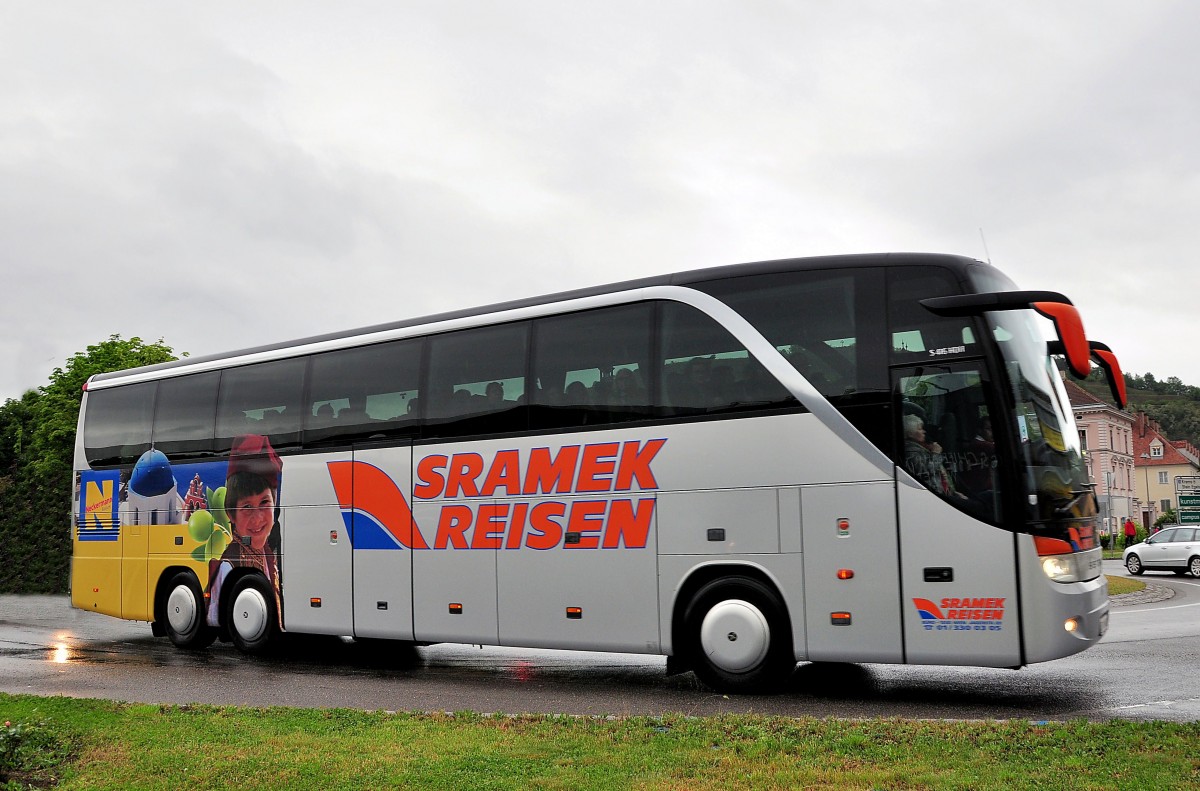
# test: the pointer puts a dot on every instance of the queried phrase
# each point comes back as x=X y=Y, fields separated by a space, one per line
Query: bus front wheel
x=739 y=639
x=184 y=613
x=253 y=621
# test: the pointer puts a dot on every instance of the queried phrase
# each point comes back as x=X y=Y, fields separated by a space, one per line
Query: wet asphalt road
x=1144 y=668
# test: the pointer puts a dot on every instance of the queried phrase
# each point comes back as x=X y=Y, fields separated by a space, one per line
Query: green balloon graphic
x=200 y=525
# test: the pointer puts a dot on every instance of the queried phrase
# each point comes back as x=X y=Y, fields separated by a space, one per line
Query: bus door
x=383 y=536
x=346 y=566
x=957 y=565
x=851 y=578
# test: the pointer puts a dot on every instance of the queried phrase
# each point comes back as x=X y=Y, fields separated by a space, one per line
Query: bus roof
x=690 y=277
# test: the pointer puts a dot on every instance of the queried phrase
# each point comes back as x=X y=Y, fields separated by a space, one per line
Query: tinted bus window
x=262 y=399
x=706 y=370
x=827 y=324
x=357 y=394
x=593 y=368
x=917 y=334
x=116 y=428
x=477 y=381
x=185 y=415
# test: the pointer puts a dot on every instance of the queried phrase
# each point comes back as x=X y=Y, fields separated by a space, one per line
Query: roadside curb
x=1151 y=594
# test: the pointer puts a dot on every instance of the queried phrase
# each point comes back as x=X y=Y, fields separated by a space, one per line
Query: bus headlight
x=1061 y=568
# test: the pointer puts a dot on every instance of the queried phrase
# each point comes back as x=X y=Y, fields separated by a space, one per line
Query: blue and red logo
x=976 y=614
x=474 y=513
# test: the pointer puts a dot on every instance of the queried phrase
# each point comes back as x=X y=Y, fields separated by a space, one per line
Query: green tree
x=37 y=447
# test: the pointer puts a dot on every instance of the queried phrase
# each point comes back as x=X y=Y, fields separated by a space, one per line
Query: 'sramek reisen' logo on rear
x=961 y=615
x=378 y=516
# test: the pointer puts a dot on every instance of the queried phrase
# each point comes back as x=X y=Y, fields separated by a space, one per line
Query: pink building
x=1106 y=435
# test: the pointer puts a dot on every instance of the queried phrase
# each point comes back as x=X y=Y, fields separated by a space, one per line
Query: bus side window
x=117 y=427
x=706 y=370
x=593 y=366
x=477 y=381
x=363 y=393
x=184 y=418
x=947 y=437
x=263 y=398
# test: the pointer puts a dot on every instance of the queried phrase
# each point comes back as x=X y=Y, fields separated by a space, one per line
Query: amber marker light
x=845 y=574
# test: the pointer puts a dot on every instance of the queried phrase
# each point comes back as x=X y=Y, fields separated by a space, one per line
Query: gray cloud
x=223 y=175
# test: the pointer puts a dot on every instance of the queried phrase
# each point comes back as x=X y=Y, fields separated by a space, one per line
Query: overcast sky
x=225 y=174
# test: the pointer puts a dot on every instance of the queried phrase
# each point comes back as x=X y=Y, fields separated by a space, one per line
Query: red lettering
x=464 y=469
x=517 y=527
x=598 y=461
x=547 y=474
x=489 y=526
x=505 y=473
x=453 y=524
x=627 y=526
x=429 y=479
x=547 y=533
x=587 y=516
x=635 y=463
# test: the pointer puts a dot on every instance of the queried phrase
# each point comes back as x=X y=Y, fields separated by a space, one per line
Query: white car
x=1174 y=549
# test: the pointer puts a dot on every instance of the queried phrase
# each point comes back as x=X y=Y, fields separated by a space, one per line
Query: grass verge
x=1119 y=585
x=100 y=744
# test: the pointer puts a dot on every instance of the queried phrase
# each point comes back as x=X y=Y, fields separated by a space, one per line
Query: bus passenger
x=925 y=460
x=980 y=473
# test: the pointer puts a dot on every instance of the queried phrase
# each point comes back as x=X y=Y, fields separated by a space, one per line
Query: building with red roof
x=1160 y=461
x=1106 y=436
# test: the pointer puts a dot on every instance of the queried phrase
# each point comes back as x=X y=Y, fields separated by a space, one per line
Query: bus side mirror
x=1105 y=358
x=1068 y=326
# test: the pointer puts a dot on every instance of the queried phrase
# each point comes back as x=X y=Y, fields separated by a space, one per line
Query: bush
x=27 y=751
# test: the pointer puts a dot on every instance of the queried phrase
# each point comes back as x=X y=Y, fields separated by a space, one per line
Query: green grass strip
x=99 y=744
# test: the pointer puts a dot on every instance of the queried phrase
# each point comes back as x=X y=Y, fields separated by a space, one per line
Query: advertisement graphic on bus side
x=378 y=516
x=977 y=614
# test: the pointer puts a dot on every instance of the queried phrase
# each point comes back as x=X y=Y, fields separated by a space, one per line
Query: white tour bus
x=850 y=459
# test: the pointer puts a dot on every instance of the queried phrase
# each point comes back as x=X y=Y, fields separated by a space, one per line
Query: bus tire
x=738 y=636
x=252 y=617
x=1133 y=564
x=184 y=613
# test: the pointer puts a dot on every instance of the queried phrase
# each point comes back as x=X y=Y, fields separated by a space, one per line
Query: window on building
x=1162 y=476
x=1166 y=505
x=1156 y=451
x=1083 y=438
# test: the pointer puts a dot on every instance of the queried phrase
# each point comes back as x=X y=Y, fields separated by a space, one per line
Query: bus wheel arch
x=732 y=629
x=251 y=616
x=180 y=610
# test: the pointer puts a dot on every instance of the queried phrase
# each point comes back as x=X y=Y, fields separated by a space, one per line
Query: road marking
x=1147 y=609
x=1155 y=703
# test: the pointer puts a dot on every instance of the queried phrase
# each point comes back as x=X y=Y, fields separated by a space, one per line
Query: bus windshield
x=1056 y=478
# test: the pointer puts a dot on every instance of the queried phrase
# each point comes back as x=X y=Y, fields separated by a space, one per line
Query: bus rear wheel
x=184 y=614
x=252 y=618
x=739 y=639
